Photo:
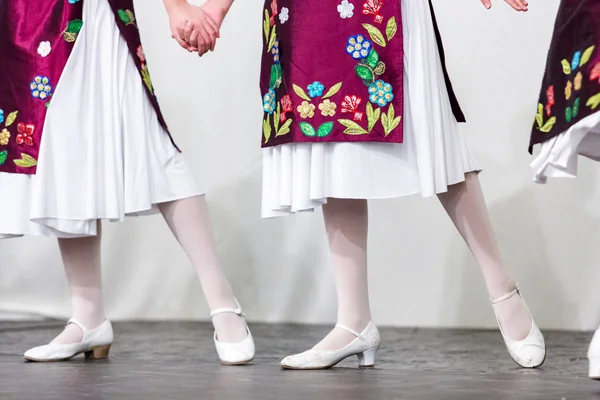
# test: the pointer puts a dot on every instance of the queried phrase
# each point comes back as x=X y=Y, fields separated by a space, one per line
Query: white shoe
x=365 y=347
x=235 y=353
x=95 y=344
x=529 y=352
x=594 y=356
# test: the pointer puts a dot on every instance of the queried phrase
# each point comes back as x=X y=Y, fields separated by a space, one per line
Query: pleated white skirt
x=558 y=156
x=103 y=154
x=302 y=176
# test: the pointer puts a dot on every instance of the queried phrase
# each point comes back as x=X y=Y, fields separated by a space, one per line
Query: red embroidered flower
x=350 y=105
x=140 y=54
x=287 y=105
x=372 y=7
x=25 y=134
x=550 y=96
x=595 y=74
x=274 y=10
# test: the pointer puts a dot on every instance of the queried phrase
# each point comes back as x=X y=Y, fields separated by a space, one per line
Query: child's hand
x=519 y=5
x=216 y=10
x=192 y=27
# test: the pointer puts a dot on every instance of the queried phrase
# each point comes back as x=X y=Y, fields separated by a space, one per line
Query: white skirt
x=302 y=176
x=103 y=154
x=558 y=156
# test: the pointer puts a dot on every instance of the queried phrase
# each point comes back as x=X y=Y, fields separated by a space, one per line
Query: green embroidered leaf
x=147 y=80
x=385 y=123
x=593 y=102
x=372 y=59
x=48 y=105
x=130 y=15
x=307 y=129
x=300 y=92
x=566 y=67
x=325 y=129
x=569 y=114
x=272 y=39
x=548 y=125
x=587 y=55
x=391 y=112
x=380 y=68
x=364 y=72
x=395 y=124
x=375 y=34
x=539 y=117
x=11 y=118
x=276 y=118
x=372 y=116
x=267 y=129
x=276 y=76
x=72 y=30
x=576 y=107
x=333 y=90
x=267 y=26
x=124 y=17
x=3 y=157
x=285 y=128
x=391 y=28
x=352 y=127
x=25 y=161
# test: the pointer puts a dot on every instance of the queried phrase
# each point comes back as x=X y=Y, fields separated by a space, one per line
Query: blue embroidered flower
x=381 y=93
x=315 y=89
x=74 y=1
x=358 y=47
x=40 y=87
x=576 y=60
x=1 y=115
x=269 y=102
x=275 y=52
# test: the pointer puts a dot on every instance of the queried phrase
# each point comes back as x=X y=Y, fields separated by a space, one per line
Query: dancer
x=345 y=120
x=567 y=123
x=82 y=139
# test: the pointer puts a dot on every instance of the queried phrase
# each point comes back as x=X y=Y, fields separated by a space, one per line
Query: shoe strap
x=80 y=326
x=237 y=311
x=506 y=296
x=350 y=330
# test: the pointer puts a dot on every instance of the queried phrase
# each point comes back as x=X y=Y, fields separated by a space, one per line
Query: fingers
x=486 y=3
x=519 y=5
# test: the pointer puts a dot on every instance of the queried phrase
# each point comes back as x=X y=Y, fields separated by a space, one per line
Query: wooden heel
x=98 y=353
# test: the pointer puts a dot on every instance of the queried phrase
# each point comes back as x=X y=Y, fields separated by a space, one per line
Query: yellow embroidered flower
x=4 y=136
x=327 y=108
x=578 y=81
x=569 y=90
x=306 y=110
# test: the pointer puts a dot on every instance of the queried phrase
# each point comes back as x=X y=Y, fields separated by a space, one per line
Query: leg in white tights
x=189 y=221
x=466 y=206
x=346 y=223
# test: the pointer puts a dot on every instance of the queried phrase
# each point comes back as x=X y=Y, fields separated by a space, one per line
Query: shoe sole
x=533 y=367
x=231 y=364
x=95 y=353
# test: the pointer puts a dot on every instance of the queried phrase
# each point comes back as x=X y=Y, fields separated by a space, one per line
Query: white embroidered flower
x=346 y=9
x=44 y=49
x=284 y=15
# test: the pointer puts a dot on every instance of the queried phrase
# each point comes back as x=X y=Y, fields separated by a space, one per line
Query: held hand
x=519 y=5
x=199 y=31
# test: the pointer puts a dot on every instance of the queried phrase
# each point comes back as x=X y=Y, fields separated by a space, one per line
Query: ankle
x=501 y=288
x=357 y=323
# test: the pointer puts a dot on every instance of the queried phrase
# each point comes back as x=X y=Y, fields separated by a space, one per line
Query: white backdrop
x=421 y=272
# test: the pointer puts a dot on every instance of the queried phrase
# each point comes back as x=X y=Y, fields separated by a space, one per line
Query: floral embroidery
x=284 y=15
x=578 y=82
x=25 y=161
x=1 y=115
x=315 y=89
x=126 y=16
x=287 y=105
x=569 y=90
x=306 y=110
x=25 y=134
x=595 y=74
x=40 y=87
x=274 y=10
x=350 y=105
x=44 y=49
x=576 y=60
x=144 y=69
x=74 y=1
x=346 y=9
x=550 y=96
x=4 y=137
x=381 y=93
x=72 y=30
x=358 y=47
x=269 y=102
x=275 y=51
x=3 y=156
x=389 y=121
x=372 y=7
x=327 y=108
x=140 y=53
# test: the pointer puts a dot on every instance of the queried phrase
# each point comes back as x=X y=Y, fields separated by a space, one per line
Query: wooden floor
x=177 y=361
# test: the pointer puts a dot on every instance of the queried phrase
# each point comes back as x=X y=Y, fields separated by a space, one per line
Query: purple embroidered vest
x=571 y=86
x=36 y=40
x=333 y=71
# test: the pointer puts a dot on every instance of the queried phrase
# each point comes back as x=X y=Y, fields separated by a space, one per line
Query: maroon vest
x=36 y=39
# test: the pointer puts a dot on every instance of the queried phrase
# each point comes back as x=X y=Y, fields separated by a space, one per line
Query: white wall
x=421 y=272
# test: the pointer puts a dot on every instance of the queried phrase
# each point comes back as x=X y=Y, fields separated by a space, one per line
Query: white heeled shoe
x=95 y=344
x=529 y=352
x=365 y=347
x=239 y=353
x=594 y=356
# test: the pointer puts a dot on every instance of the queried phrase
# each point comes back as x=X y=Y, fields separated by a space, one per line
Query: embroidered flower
x=287 y=105
x=346 y=9
x=595 y=74
x=269 y=102
x=4 y=136
x=315 y=89
x=306 y=110
x=140 y=54
x=578 y=81
x=44 y=49
x=381 y=93
x=550 y=96
x=25 y=134
x=569 y=90
x=327 y=108
x=284 y=15
x=40 y=87
x=576 y=60
x=350 y=105
x=275 y=51
x=372 y=7
x=274 y=10
x=1 y=115
x=358 y=47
